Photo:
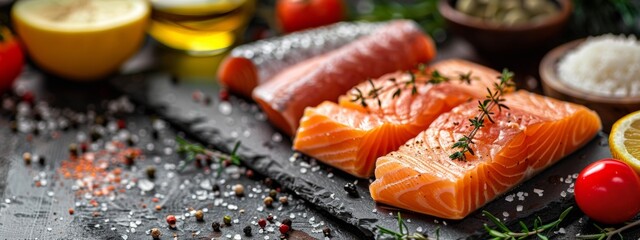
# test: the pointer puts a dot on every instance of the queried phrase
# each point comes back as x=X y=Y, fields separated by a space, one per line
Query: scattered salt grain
x=540 y=192
x=519 y=208
x=509 y=198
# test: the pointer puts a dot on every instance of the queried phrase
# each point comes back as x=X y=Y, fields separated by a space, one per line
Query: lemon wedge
x=624 y=140
x=81 y=39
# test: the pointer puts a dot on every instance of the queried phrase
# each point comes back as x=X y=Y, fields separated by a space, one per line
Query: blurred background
x=191 y=37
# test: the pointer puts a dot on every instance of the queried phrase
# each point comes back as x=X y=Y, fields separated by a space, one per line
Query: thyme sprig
x=539 y=230
x=403 y=232
x=485 y=108
x=415 y=78
x=608 y=233
x=192 y=150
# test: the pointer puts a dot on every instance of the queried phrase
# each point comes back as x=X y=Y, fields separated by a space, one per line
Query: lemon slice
x=624 y=140
x=81 y=39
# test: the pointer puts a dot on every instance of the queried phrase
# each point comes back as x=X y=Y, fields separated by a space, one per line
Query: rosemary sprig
x=608 y=233
x=192 y=150
x=420 y=77
x=485 y=107
x=503 y=232
x=403 y=232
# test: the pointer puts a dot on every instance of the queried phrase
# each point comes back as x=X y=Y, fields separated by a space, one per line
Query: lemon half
x=81 y=39
x=624 y=140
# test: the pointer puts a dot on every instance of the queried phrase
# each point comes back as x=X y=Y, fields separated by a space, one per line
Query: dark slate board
x=30 y=212
x=215 y=125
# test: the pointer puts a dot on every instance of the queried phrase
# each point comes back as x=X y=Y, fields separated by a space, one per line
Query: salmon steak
x=533 y=134
x=350 y=136
x=398 y=45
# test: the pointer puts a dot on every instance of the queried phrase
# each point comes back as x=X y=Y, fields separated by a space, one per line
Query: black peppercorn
x=326 y=231
x=270 y=218
x=41 y=160
x=151 y=172
x=351 y=189
x=215 y=226
x=215 y=188
x=130 y=142
x=14 y=126
x=268 y=182
x=287 y=222
x=36 y=131
x=99 y=120
x=95 y=135
x=155 y=134
x=247 y=231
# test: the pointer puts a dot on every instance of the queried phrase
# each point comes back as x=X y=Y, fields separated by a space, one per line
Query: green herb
x=493 y=99
x=421 y=77
x=403 y=232
x=598 y=17
x=425 y=13
x=608 y=233
x=538 y=229
x=194 y=149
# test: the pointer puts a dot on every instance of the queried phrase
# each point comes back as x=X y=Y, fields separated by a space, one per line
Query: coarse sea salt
x=606 y=65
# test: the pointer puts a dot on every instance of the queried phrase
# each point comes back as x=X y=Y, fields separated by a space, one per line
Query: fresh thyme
x=192 y=150
x=403 y=232
x=539 y=230
x=493 y=99
x=608 y=233
x=420 y=77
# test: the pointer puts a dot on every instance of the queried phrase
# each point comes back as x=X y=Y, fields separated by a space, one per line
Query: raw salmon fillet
x=252 y=64
x=399 y=45
x=351 y=137
x=535 y=133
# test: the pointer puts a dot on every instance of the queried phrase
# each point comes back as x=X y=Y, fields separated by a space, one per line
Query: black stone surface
x=30 y=212
x=321 y=185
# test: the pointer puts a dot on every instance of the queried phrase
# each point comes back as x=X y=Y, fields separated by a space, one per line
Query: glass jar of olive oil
x=200 y=27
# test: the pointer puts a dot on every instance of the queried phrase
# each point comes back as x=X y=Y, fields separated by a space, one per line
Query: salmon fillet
x=399 y=45
x=351 y=137
x=252 y=64
x=535 y=133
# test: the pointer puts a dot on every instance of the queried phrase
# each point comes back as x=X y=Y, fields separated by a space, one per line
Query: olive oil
x=200 y=27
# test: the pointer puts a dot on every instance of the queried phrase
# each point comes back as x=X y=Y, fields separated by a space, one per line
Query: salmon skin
x=249 y=65
x=399 y=45
x=532 y=135
x=351 y=137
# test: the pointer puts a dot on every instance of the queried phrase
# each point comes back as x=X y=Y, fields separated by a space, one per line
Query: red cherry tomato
x=295 y=15
x=608 y=191
x=11 y=59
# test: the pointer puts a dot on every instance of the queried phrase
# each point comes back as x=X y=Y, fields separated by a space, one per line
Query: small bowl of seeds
x=507 y=26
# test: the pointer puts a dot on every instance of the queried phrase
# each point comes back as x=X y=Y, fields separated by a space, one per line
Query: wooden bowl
x=610 y=109
x=492 y=37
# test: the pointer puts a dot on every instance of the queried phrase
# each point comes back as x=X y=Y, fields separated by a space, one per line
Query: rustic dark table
x=35 y=199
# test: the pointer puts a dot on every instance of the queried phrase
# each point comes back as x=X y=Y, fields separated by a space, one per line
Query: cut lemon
x=81 y=39
x=624 y=140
